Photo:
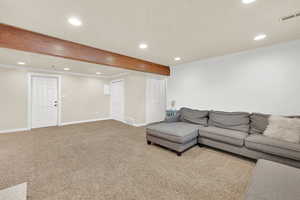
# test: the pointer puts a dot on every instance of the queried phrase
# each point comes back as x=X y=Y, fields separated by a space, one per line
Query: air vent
x=290 y=16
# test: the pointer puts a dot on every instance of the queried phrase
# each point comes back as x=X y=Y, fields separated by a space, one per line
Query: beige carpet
x=110 y=160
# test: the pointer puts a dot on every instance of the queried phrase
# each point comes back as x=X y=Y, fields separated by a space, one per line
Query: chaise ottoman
x=274 y=181
x=177 y=136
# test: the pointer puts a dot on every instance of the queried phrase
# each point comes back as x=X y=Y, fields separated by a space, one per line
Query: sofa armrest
x=154 y=123
x=167 y=120
x=172 y=119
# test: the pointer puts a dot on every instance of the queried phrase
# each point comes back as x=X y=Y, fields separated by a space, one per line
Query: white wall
x=83 y=99
x=13 y=99
x=135 y=101
x=134 y=98
x=263 y=80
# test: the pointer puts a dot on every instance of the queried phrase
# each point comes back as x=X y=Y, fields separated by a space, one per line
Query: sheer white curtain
x=155 y=100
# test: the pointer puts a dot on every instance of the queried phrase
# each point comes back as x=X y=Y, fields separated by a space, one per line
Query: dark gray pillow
x=238 y=121
x=259 y=123
x=194 y=116
x=294 y=116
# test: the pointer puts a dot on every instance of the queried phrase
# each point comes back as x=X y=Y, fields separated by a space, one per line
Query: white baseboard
x=84 y=121
x=139 y=125
x=69 y=123
x=131 y=121
x=14 y=130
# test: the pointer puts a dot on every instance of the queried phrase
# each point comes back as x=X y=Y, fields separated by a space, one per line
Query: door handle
x=55 y=105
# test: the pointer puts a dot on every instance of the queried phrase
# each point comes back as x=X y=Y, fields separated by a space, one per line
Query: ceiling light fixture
x=143 y=46
x=248 y=1
x=21 y=63
x=260 y=37
x=98 y=73
x=74 y=21
x=177 y=58
x=67 y=69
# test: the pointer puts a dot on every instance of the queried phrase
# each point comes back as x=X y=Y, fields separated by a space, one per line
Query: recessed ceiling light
x=177 y=58
x=67 y=69
x=21 y=63
x=248 y=1
x=74 y=21
x=143 y=46
x=260 y=37
x=98 y=73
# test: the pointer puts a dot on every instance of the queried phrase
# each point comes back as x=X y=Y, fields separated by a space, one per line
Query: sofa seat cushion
x=273 y=146
x=223 y=135
x=179 y=132
x=273 y=181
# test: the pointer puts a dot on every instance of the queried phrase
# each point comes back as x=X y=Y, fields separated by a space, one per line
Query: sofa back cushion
x=258 y=123
x=238 y=121
x=194 y=116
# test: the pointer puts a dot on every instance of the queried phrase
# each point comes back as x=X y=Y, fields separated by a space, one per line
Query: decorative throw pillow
x=283 y=128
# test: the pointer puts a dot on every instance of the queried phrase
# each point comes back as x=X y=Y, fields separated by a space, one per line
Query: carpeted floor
x=110 y=160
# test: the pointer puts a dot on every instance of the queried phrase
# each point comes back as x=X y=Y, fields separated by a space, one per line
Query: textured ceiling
x=190 y=29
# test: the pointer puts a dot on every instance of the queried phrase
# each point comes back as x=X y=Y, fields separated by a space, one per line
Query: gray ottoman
x=274 y=181
x=177 y=136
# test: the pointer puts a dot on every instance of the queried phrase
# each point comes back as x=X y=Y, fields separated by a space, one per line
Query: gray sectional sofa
x=236 y=132
x=273 y=181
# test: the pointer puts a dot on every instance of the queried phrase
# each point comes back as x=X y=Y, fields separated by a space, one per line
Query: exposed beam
x=20 y=39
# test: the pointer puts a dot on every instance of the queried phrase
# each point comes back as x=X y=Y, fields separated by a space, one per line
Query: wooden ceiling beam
x=20 y=39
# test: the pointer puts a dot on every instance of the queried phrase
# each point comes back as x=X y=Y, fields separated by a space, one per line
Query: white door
x=44 y=101
x=155 y=100
x=117 y=100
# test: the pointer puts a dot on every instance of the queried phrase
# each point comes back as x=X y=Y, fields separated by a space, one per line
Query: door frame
x=29 y=96
x=111 y=82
